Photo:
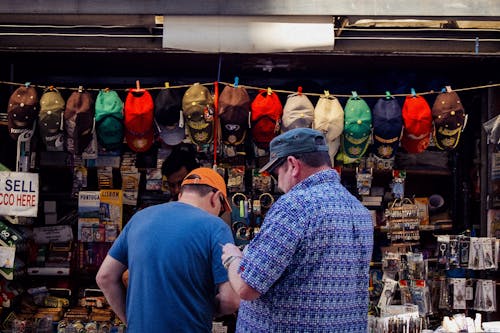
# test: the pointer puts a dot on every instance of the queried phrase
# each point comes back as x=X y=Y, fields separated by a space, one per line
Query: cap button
x=359 y=121
x=452 y=113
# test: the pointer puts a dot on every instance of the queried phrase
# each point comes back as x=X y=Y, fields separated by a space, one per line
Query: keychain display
x=403 y=221
x=442 y=247
x=459 y=296
x=387 y=294
x=463 y=293
x=444 y=302
x=417 y=266
x=482 y=251
x=463 y=244
x=405 y=293
x=485 y=296
x=391 y=265
x=420 y=295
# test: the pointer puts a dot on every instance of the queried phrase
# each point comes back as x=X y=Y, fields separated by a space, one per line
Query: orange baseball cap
x=207 y=176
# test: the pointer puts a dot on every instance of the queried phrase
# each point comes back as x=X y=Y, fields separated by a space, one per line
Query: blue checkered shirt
x=310 y=262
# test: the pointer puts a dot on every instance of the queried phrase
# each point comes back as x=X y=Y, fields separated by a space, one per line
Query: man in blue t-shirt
x=176 y=280
x=307 y=269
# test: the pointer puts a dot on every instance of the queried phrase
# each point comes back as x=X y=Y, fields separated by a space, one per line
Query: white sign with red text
x=18 y=193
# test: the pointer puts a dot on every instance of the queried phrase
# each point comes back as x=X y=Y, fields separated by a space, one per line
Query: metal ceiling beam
x=78 y=19
x=369 y=8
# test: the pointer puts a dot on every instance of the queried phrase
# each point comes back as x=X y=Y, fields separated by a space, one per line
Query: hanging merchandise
x=364 y=179
x=51 y=119
x=235 y=179
x=403 y=221
x=387 y=126
x=266 y=114
x=109 y=120
x=198 y=110
x=449 y=119
x=168 y=116
x=22 y=110
x=78 y=121
x=417 y=129
x=329 y=119
x=297 y=112
x=357 y=129
x=234 y=109
x=138 y=120
x=260 y=183
x=398 y=183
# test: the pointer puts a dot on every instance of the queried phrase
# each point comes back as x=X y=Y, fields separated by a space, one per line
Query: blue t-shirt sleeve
x=271 y=251
x=119 y=248
x=222 y=235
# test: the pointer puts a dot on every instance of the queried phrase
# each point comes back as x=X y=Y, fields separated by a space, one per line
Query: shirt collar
x=317 y=178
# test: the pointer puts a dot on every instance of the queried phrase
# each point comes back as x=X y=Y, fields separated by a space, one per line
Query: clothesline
x=256 y=88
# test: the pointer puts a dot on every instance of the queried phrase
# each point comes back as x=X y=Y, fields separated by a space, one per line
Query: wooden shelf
x=409 y=172
x=429 y=227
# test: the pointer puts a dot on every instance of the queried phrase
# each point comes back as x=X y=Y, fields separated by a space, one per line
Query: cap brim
x=415 y=144
x=270 y=165
x=139 y=143
x=447 y=142
x=385 y=150
x=227 y=204
x=172 y=135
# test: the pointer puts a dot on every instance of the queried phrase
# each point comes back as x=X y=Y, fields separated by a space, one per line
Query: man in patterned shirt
x=307 y=269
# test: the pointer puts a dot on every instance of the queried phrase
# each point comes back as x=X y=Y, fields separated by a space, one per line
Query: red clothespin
x=299 y=90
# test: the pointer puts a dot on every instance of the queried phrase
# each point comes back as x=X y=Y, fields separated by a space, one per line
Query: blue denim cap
x=295 y=141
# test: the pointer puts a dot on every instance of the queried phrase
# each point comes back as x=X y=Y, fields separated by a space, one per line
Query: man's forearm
x=239 y=285
x=116 y=295
x=226 y=301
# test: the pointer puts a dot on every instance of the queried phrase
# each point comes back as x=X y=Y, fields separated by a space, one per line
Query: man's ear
x=214 y=197
x=295 y=165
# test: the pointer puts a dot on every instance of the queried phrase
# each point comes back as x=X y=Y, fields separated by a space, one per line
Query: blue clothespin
x=236 y=81
x=27 y=84
x=413 y=93
x=354 y=94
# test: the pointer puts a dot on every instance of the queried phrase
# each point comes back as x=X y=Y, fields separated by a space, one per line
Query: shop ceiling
x=453 y=28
